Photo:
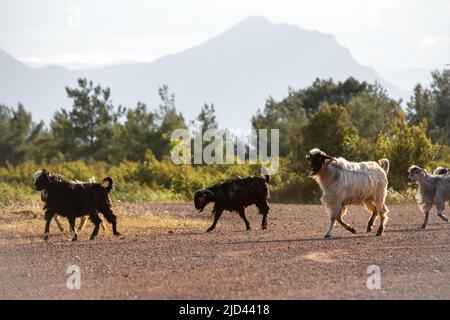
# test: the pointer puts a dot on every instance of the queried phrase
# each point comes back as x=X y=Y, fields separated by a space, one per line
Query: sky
x=395 y=34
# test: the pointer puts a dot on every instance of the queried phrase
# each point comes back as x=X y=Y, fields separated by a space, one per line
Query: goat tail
x=384 y=163
x=267 y=177
x=110 y=185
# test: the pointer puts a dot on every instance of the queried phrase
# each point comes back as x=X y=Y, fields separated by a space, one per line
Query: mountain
x=40 y=90
x=236 y=70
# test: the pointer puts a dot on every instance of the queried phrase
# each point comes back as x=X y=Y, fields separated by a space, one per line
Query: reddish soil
x=290 y=260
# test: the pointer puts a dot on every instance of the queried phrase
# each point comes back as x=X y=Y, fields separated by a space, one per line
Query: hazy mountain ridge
x=236 y=70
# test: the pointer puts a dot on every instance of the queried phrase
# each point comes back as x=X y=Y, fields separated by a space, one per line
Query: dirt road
x=164 y=253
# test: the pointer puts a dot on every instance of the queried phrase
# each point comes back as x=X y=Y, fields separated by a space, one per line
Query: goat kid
x=236 y=194
x=433 y=190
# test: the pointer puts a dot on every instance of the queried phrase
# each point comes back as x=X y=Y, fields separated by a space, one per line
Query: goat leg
x=426 y=212
x=72 y=229
x=82 y=223
x=217 y=215
x=48 y=218
x=242 y=215
x=58 y=223
x=264 y=210
x=372 y=219
x=440 y=208
x=47 y=229
x=343 y=223
x=96 y=220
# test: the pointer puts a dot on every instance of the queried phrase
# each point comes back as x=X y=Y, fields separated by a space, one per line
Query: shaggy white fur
x=345 y=183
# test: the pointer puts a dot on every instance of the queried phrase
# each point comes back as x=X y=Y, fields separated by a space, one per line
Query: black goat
x=236 y=194
x=72 y=199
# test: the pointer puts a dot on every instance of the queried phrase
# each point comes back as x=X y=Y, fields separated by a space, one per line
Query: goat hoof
x=209 y=230
x=353 y=230
x=45 y=238
x=424 y=226
x=248 y=229
x=92 y=238
x=117 y=234
x=379 y=234
x=443 y=217
x=328 y=236
x=264 y=227
x=369 y=229
x=74 y=239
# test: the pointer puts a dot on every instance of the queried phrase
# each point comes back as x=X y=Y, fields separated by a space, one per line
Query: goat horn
x=208 y=191
x=329 y=158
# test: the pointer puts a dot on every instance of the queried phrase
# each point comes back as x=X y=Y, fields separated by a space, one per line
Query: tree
x=339 y=93
x=291 y=114
x=207 y=117
x=440 y=91
x=405 y=145
x=90 y=122
x=433 y=104
x=371 y=112
x=64 y=141
x=169 y=120
x=420 y=106
x=139 y=133
x=287 y=115
x=18 y=134
x=330 y=129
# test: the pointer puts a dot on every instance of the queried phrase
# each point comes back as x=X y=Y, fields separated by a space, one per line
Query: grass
x=141 y=194
x=405 y=197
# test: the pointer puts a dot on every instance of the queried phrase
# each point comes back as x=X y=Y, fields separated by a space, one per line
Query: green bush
x=405 y=145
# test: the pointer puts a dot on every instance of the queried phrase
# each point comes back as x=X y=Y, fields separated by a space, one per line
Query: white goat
x=344 y=183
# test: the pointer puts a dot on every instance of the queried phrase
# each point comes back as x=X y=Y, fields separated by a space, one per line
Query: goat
x=44 y=196
x=433 y=189
x=74 y=199
x=236 y=194
x=344 y=183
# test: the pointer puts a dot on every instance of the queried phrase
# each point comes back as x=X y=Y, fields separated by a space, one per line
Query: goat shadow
x=310 y=239
x=417 y=229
